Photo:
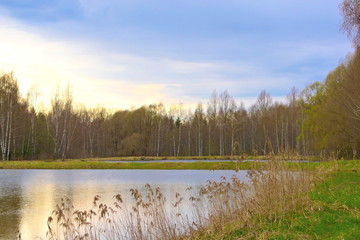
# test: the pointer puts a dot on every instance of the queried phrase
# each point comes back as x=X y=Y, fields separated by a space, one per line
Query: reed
x=272 y=192
x=268 y=195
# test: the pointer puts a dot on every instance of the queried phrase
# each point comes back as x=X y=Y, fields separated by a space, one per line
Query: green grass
x=76 y=164
x=333 y=213
x=147 y=158
x=92 y=164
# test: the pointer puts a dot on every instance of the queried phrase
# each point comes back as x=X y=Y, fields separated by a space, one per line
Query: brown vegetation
x=350 y=10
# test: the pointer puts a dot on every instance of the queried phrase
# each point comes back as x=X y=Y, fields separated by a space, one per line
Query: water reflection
x=10 y=202
x=29 y=196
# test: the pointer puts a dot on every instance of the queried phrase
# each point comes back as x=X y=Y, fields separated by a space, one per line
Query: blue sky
x=128 y=53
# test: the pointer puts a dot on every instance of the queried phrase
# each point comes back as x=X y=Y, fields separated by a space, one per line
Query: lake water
x=28 y=197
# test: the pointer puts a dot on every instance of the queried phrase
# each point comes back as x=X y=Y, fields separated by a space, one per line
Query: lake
x=28 y=197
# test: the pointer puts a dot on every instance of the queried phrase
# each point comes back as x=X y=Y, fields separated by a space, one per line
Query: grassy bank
x=76 y=164
x=82 y=164
x=332 y=213
x=240 y=157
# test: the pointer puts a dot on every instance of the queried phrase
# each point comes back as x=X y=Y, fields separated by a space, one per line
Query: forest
x=321 y=120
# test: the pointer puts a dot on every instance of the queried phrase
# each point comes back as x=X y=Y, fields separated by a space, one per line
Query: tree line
x=321 y=119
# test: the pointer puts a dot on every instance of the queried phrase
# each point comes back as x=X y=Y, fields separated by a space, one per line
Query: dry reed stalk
x=269 y=194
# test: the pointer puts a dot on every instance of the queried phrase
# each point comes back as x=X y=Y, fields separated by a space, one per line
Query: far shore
x=227 y=157
x=105 y=163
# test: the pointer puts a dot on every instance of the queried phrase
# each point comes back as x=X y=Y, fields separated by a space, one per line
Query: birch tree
x=263 y=105
x=62 y=122
x=9 y=99
x=199 y=120
x=32 y=100
x=212 y=116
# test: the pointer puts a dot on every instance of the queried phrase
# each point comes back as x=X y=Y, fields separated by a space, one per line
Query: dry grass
x=270 y=193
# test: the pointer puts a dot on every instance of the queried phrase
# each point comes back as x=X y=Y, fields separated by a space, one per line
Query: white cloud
x=111 y=79
x=46 y=63
x=37 y=60
x=117 y=80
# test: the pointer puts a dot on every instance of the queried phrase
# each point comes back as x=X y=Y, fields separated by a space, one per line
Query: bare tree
x=233 y=123
x=199 y=120
x=293 y=115
x=91 y=120
x=9 y=98
x=32 y=97
x=160 y=112
x=176 y=114
x=263 y=104
x=224 y=112
x=212 y=115
x=189 y=119
x=350 y=10
x=179 y=122
x=61 y=123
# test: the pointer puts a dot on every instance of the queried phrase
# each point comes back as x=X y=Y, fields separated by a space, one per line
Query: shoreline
x=197 y=165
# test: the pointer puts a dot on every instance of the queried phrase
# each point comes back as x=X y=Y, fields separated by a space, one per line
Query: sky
x=124 y=54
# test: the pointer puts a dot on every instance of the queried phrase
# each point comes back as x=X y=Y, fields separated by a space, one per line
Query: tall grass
x=268 y=195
